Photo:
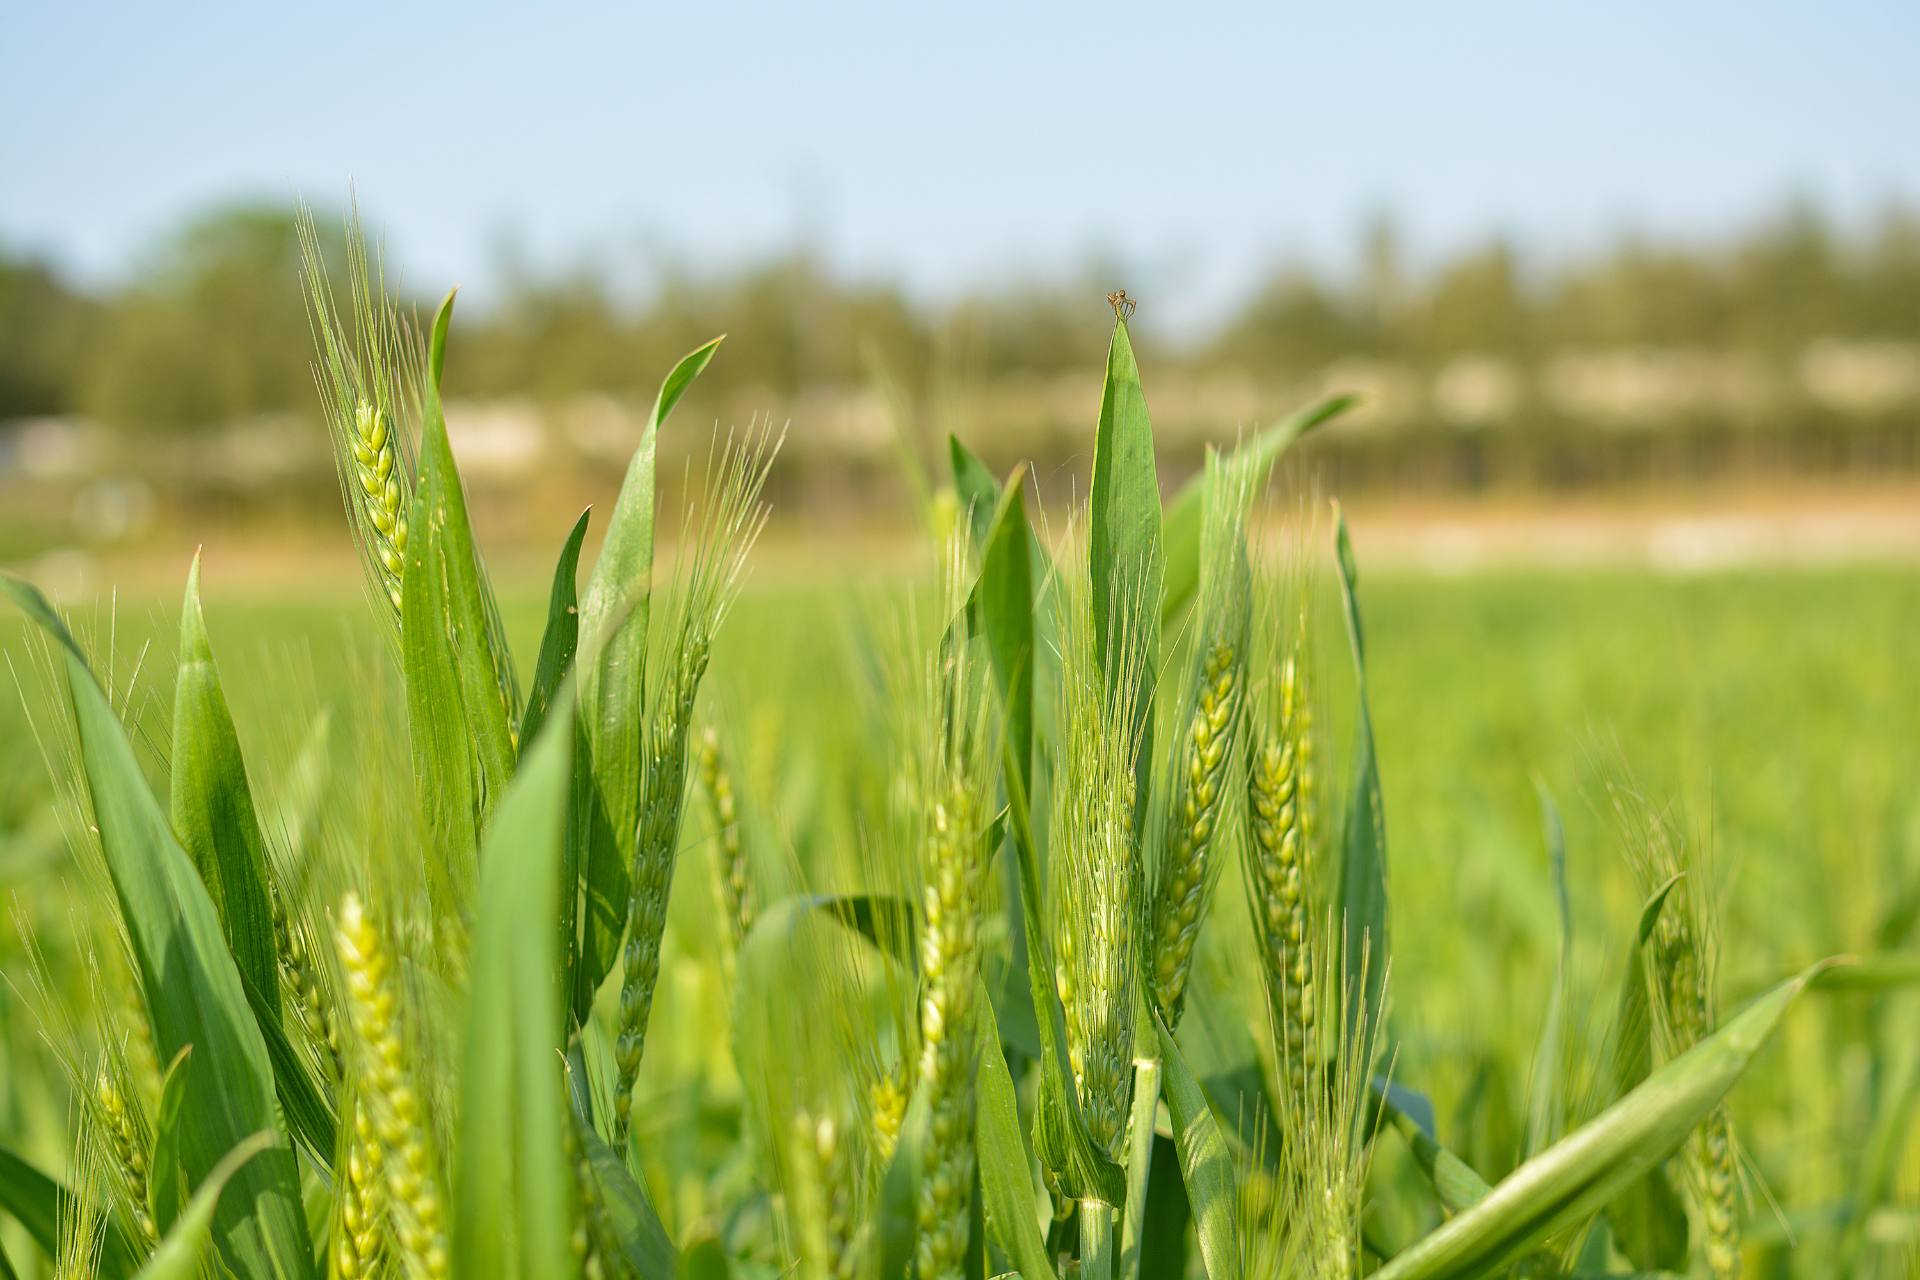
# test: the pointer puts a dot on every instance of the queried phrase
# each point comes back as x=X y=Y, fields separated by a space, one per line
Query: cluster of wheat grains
x=398 y=1149
x=1204 y=756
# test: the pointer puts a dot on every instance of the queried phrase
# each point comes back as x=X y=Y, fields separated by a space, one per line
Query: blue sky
x=949 y=145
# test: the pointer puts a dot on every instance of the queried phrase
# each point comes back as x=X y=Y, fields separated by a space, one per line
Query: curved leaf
x=561 y=637
x=215 y=820
x=1584 y=1171
x=1648 y=1219
x=1185 y=515
x=193 y=990
x=166 y=1187
x=182 y=1254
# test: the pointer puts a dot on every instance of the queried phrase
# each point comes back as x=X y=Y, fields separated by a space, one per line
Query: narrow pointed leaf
x=212 y=806
x=459 y=718
x=614 y=613
x=562 y=635
x=644 y=1244
x=1004 y=601
x=1649 y=1220
x=194 y=995
x=1457 y=1185
x=218 y=826
x=1126 y=556
x=1584 y=1171
x=1544 y=1111
x=974 y=489
x=513 y=1211
x=1363 y=851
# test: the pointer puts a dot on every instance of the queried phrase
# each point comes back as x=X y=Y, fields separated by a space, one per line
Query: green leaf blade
x=459 y=717
x=212 y=805
x=1363 y=852
x=194 y=992
x=513 y=1183
x=1586 y=1170
x=614 y=615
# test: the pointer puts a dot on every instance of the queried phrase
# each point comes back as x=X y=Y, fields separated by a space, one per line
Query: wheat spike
x=311 y=999
x=360 y=1204
x=727 y=527
x=128 y=1143
x=393 y=1106
x=1279 y=854
x=733 y=876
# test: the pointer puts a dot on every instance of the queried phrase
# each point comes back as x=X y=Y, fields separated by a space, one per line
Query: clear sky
x=948 y=144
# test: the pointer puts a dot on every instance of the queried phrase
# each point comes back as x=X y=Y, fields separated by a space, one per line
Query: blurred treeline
x=210 y=329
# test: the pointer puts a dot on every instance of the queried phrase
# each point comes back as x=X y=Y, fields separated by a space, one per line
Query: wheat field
x=1144 y=888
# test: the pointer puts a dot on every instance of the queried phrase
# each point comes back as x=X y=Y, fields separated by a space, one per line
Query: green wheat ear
x=402 y=1145
x=1683 y=996
x=371 y=376
x=1325 y=1144
x=727 y=525
x=1097 y=895
x=952 y=778
x=733 y=874
x=1200 y=768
